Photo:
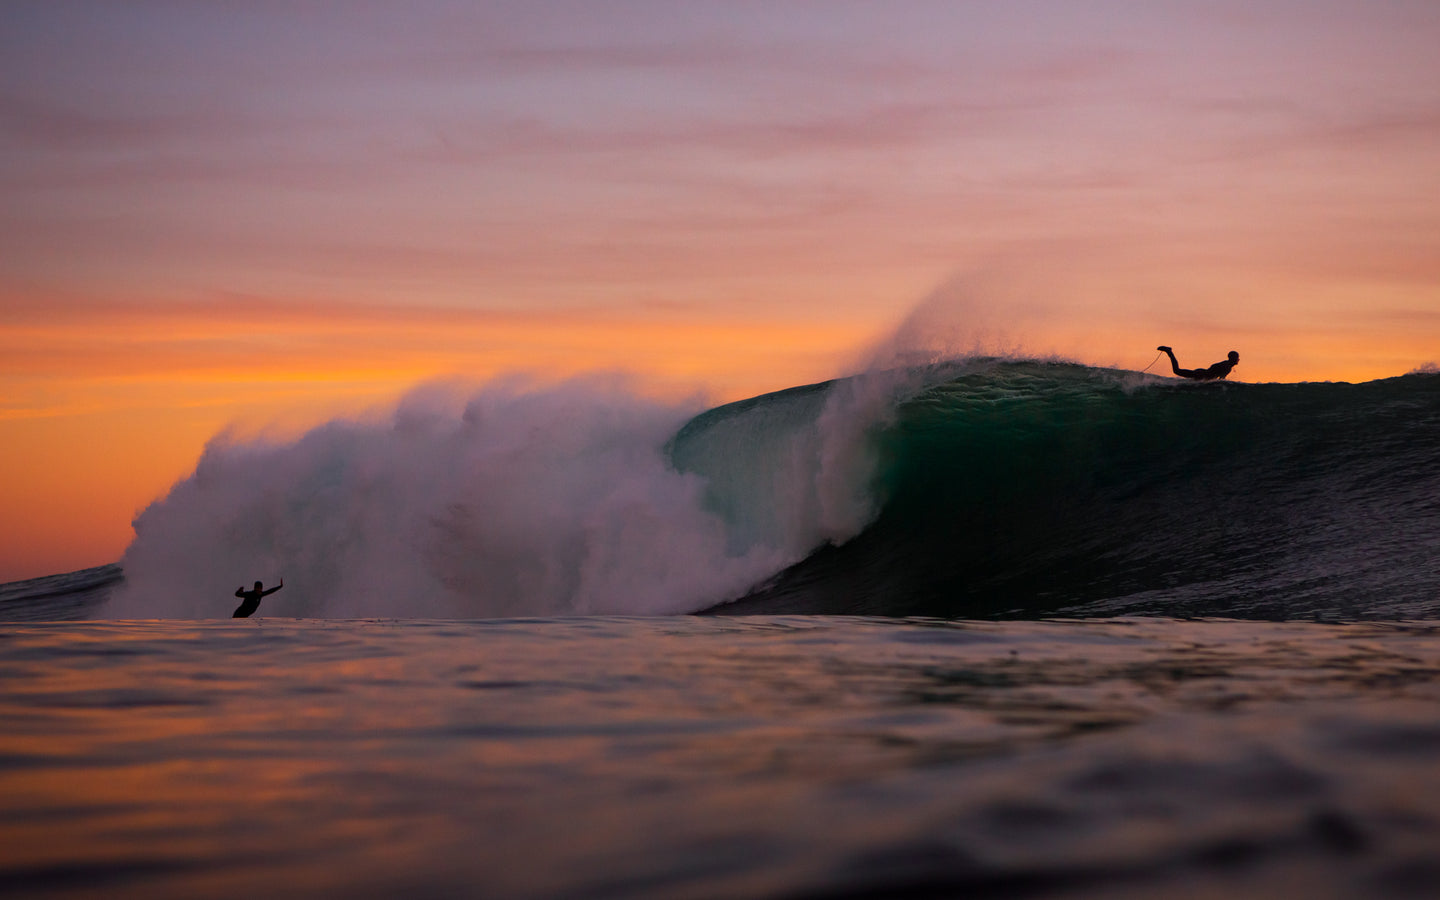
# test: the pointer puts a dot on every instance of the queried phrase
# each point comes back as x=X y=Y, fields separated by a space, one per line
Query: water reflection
x=708 y=757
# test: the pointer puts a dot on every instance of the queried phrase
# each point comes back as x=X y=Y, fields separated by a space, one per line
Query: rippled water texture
x=718 y=758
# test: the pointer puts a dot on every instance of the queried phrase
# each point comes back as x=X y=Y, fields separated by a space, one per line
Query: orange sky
x=268 y=216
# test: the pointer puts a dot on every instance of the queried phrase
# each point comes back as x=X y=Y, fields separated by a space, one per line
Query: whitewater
x=516 y=500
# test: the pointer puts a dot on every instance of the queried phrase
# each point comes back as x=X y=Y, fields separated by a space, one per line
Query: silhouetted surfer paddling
x=1215 y=372
x=251 y=598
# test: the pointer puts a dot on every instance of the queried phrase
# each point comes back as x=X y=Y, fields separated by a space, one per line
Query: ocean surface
x=980 y=629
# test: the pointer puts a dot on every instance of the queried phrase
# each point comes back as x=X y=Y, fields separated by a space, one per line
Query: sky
x=254 y=216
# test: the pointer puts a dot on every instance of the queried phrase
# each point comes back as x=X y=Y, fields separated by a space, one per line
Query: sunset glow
x=259 y=217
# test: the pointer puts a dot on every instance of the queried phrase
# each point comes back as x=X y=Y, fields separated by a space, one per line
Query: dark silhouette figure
x=1217 y=371
x=252 y=598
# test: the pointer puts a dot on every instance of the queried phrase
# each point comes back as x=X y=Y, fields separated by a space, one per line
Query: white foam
x=514 y=500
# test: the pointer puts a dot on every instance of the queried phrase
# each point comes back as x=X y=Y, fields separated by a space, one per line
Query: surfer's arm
x=275 y=588
x=240 y=591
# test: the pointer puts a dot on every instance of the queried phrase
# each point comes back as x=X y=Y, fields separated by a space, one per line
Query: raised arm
x=240 y=591
x=274 y=589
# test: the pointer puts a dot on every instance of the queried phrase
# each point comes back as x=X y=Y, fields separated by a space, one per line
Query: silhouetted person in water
x=1217 y=371
x=252 y=598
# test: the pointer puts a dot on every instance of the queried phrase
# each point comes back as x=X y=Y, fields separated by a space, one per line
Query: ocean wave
x=971 y=488
x=1027 y=488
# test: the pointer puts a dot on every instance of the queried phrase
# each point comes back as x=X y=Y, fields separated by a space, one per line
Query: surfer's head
x=1234 y=357
x=259 y=585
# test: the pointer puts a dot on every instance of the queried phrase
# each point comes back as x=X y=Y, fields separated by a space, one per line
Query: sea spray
x=516 y=500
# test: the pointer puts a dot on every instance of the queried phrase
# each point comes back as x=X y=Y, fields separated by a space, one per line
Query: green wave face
x=1025 y=489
